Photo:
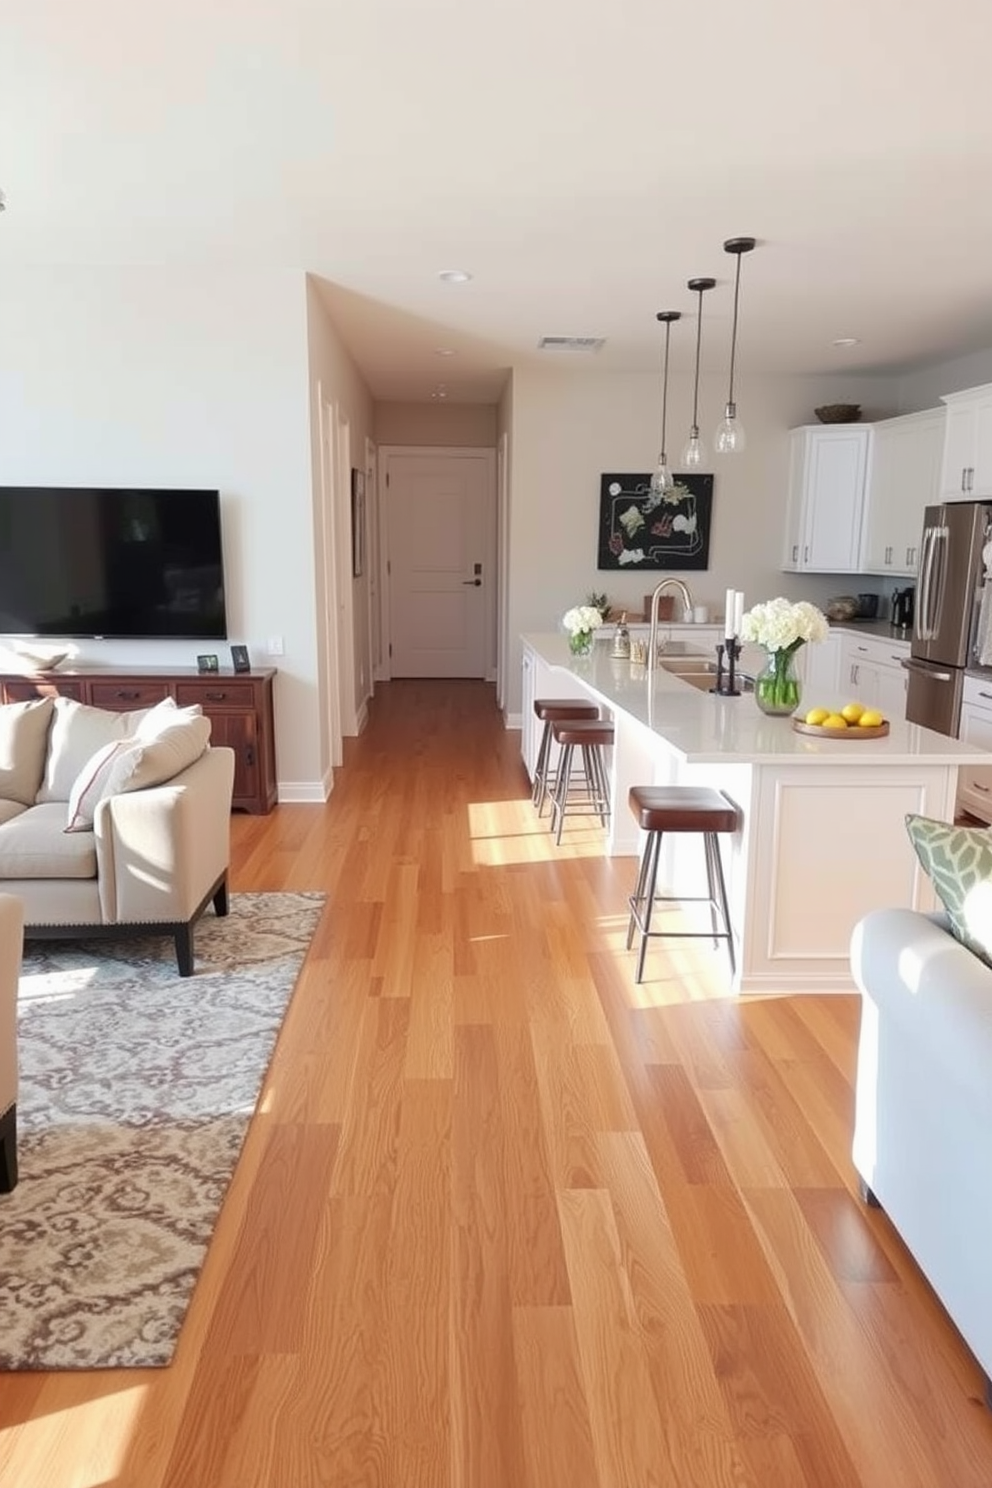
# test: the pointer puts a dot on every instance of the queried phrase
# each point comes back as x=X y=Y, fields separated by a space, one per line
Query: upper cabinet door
x=904 y=479
x=966 y=469
x=828 y=469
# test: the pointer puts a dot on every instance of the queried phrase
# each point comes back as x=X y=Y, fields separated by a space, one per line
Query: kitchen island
x=822 y=837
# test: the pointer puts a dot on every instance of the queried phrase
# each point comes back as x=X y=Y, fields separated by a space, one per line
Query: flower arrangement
x=781 y=625
x=580 y=622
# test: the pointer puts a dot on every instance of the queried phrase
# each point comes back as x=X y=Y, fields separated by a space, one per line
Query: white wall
x=464 y=425
x=923 y=389
x=173 y=376
x=569 y=430
x=334 y=376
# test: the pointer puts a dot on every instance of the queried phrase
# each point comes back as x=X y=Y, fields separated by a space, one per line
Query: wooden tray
x=853 y=730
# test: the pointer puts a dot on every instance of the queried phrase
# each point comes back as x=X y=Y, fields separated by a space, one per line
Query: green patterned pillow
x=958 y=861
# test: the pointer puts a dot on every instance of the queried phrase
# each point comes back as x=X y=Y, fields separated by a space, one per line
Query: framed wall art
x=641 y=530
x=357 y=523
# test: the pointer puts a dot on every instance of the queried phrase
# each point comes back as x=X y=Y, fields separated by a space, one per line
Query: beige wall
x=567 y=431
x=470 y=425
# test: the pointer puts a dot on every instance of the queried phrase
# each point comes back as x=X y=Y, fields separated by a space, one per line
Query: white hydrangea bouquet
x=580 y=622
x=781 y=626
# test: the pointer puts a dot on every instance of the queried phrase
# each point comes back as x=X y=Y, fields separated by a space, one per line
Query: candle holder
x=726 y=682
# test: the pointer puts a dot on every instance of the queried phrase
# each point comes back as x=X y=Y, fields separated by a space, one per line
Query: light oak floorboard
x=504 y=1219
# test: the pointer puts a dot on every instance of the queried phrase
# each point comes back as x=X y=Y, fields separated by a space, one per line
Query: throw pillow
x=164 y=715
x=134 y=764
x=958 y=862
x=77 y=732
x=23 y=740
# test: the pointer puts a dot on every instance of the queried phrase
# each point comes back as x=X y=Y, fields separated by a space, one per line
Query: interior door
x=439 y=516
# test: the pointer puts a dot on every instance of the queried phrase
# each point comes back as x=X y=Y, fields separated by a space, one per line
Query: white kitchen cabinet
x=820 y=666
x=828 y=466
x=975 y=781
x=966 y=467
x=872 y=673
x=903 y=479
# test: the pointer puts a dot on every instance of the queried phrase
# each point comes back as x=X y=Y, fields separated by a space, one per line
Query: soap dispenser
x=621 y=639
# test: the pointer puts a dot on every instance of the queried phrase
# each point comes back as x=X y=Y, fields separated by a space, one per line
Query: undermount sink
x=700 y=672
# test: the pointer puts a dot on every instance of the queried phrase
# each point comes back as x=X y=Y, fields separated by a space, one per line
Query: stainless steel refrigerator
x=948 y=594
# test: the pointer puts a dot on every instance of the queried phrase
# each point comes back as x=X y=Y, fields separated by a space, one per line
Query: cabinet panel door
x=238 y=732
x=904 y=479
x=959 y=440
x=835 y=501
x=891 y=693
x=982 y=482
x=821 y=664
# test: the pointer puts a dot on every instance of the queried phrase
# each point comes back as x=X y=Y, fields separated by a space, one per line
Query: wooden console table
x=239 y=706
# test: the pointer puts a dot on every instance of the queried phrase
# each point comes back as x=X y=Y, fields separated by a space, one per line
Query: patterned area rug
x=136 y=1089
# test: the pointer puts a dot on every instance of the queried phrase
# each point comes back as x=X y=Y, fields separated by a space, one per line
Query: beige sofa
x=113 y=823
x=11 y=928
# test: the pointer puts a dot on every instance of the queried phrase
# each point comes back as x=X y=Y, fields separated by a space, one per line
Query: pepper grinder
x=621 y=639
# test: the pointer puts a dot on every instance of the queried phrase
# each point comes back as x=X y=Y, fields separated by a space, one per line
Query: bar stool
x=592 y=736
x=680 y=808
x=549 y=709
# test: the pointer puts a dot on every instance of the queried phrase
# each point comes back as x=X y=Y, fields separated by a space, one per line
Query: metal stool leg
x=560 y=795
x=725 y=907
x=648 y=905
x=541 y=768
x=638 y=894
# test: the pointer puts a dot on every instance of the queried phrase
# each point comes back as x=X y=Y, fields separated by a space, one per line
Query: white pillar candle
x=728 y=614
x=738 y=610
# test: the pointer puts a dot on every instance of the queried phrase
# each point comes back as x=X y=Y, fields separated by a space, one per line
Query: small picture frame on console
x=239 y=659
x=208 y=663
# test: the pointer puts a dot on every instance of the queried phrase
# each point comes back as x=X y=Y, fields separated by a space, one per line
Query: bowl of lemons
x=852 y=721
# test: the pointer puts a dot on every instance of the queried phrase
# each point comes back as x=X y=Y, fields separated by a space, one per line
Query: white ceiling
x=581 y=158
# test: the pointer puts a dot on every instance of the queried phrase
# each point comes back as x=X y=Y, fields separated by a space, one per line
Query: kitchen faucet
x=659 y=590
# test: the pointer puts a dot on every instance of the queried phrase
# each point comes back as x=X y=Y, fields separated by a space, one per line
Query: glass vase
x=580 y=644
x=777 y=688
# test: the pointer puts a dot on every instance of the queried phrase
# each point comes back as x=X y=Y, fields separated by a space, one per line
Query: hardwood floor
x=506 y=1220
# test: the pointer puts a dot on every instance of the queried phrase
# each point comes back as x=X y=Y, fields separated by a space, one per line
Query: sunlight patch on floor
x=40 y=986
x=98 y=1431
x=507 y=832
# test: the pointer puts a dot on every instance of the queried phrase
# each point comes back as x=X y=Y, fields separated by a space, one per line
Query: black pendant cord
x=664 y=396
x=733 y=331
x=699 y=337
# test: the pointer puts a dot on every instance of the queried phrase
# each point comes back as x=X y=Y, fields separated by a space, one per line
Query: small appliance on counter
x=867 y=606
x=903 y=606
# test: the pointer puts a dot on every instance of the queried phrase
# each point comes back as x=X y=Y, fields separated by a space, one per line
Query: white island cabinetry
x=975 y=781
x=797 y=885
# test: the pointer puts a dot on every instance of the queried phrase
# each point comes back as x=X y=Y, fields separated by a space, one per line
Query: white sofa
x=11 y=928
x=113 y=823
x=923 y=1118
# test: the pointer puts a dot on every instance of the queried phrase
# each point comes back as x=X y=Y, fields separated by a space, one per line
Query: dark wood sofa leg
x=8 y=1150
x=867 y=1196
x=220 y=900
x=184 y=949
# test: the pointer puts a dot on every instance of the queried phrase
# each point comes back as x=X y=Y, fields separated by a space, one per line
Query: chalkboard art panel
x=638 y=530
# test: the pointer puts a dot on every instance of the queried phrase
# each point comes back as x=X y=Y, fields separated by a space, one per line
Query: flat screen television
x=135 y=564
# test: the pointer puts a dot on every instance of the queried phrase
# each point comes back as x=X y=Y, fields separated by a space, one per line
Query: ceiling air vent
x=570 y=343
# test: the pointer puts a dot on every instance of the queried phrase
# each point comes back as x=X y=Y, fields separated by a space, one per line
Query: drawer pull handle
x=215 y=697
x=128 y=693
x=979 y=787
x=985 y=694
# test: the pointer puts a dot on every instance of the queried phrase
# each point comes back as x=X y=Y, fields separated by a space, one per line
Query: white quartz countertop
x=703 y=729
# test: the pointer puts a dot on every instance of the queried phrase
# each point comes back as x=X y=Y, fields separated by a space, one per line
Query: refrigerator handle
x=941 y=537
x=927 y=669
x=926 y=576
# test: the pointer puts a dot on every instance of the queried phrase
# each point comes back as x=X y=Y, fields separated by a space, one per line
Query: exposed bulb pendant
x=661 y=480
x=730 y=438
x=694 y=452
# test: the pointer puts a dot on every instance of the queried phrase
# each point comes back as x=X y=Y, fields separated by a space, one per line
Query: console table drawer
x=217 y=693
x=125 y=695
x=22 y=691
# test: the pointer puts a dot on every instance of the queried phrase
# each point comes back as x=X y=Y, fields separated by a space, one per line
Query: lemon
x=817 y=715
x=835 y=721
x=870 y=718
x=852 y=712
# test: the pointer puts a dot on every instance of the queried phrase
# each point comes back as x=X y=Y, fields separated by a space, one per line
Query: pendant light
x=693 y=452
x=661 y=480
x=730 y=438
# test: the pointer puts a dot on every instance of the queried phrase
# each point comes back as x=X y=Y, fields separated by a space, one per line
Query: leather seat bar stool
x=680 y=808
x=591 y=736
x=549 y=709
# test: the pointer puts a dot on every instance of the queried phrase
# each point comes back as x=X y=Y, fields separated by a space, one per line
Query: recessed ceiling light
x=846 y=341
x=443 y=351
x=440 y=391
x=454 y=276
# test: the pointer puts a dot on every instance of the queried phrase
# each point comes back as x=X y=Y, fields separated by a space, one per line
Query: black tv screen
x=135 y=564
